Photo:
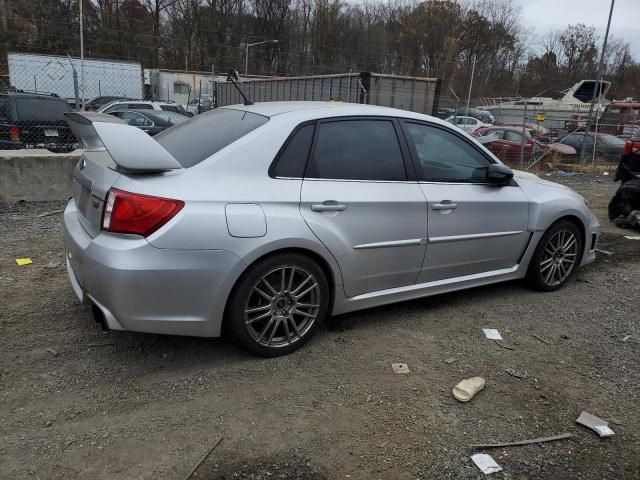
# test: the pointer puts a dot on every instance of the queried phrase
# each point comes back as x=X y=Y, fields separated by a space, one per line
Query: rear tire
x=556 y=257
x=278 y=305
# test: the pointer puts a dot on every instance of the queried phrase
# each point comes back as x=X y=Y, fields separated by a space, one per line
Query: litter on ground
x=24 y=261
x=486 y=463
x=598 y=425
x=492 y=333
x=468 y=388
x=400 y=368
x=516 y=373
x=561 y=436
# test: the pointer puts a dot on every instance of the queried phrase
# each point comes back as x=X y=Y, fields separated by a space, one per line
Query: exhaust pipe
x=98 y=316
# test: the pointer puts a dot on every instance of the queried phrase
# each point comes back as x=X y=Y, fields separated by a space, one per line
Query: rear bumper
x=139 y=287
x=591 y=241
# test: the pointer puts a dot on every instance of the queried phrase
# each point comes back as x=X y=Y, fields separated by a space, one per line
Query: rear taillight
x=14 y=133
x=126 y=212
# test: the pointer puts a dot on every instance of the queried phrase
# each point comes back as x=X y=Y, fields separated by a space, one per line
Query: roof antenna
x=232 y=77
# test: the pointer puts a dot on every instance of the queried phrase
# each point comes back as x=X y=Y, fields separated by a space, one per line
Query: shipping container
x=417 y=94
x=54 y=74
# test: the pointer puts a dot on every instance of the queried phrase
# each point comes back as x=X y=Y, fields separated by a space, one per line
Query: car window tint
x=41 y=109
x=4 y=109
x=357 y=150
x=135 y=119
x=203 y=135
x=170 y=108
x=511 y=136
x=141 y=106
x=293 y=159
x=444 y=156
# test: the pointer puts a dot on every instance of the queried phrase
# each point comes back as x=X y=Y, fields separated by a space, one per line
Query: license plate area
x=51 y=132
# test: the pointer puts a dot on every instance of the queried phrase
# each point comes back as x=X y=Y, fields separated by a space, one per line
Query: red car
x=508 y=143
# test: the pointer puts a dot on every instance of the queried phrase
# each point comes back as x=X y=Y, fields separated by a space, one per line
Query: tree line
x=432 y=38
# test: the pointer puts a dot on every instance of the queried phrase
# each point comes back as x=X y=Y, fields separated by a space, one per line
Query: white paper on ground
x=604 y=430
x=632 y=237
x=400 y=367
x=485 y=463
x=492 y=333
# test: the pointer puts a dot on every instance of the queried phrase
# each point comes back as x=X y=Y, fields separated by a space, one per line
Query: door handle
x=445 y=205
x=332 y=207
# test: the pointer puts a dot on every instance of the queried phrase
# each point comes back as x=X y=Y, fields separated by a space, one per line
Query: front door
x=357 y=199
x=474 y=227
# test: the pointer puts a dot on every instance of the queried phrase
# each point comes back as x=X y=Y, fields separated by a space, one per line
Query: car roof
x=317 y=110
x=133 y=100
x=50 y=96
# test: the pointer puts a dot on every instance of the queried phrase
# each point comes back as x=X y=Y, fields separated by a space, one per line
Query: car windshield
x=611 y=140
x=203 y=135
x=41 y=109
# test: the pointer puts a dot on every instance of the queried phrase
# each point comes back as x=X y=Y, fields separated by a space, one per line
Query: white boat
x=554 y=110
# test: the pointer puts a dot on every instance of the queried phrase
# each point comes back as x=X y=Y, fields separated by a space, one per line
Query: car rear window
x=205 y=134
x=42 y=109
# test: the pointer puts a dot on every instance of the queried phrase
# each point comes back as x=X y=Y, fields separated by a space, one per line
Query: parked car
x=606 y=145
x=197 y=106
x=537 y=131
x=468 y=124
x=99 y=102
x=483 y=115
x=30 y=120
x=506 y=143
x=150 y=121
x=143 y=105
x=264 y=220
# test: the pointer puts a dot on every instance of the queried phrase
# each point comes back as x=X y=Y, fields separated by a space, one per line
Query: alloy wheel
x=559 y=257
x=282 y=306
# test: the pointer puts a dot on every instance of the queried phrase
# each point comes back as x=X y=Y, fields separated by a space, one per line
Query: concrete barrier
x=36 y=175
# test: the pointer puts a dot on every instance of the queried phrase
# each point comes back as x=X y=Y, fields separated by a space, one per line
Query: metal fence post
x=75 y=84
x=524 y=123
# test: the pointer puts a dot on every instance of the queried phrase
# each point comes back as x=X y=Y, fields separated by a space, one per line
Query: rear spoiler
x=131 y=149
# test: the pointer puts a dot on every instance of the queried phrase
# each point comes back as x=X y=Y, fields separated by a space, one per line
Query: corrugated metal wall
x=409 y=93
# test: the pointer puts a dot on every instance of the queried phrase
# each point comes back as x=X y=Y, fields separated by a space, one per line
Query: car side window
x=4 y=109
x=170 y=108
x=357 y=150
x=511 y=136
x=116 y=107
x=135 y=119
x=139 y=106
x=293 y=158
x=445 y=157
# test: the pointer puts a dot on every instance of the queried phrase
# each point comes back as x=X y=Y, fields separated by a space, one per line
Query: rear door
x=474 y=227
x=360 y=201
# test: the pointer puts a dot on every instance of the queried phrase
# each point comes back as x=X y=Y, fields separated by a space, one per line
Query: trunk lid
x=112 y=148
x=92 y=179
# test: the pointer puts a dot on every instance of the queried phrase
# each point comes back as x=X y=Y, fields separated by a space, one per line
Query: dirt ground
x=79 y=403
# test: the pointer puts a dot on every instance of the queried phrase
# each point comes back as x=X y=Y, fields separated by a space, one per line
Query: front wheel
x=278 y=305
x=556 y=257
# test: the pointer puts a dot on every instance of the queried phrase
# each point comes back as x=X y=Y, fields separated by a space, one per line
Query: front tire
x=556 y=258
x=278 y=305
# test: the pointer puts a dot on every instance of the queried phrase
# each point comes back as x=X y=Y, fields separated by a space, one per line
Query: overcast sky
x=545 y=15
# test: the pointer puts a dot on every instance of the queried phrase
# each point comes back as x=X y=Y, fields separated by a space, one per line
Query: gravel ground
x=79 y=403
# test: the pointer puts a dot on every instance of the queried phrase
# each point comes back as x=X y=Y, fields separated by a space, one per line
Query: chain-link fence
x=39 y=89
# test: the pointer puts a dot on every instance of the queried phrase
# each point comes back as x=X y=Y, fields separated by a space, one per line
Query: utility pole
x=246 y=55
x=473 y=71
x=597 y=88
x=82 y=53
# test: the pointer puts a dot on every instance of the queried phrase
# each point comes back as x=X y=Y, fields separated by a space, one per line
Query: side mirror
x=498 y=174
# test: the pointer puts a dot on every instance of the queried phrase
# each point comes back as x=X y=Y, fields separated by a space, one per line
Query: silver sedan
x=261 y=221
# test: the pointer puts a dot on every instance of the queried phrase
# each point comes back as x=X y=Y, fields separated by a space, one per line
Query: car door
x=361 y=203
x=474 y=227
